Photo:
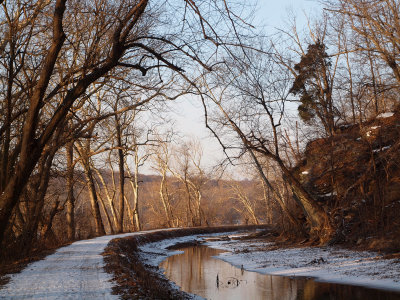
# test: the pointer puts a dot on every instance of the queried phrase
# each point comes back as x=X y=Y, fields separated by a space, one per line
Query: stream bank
x=134 y=262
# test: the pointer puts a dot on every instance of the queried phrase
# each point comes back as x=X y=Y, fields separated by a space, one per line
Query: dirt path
x=72 y=272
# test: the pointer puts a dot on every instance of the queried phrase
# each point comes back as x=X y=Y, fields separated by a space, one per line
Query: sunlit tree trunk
x=70 y=202
x=245 y=201
x=113 y=218
x=121 y=201
x=94 y=201
x=134 y=181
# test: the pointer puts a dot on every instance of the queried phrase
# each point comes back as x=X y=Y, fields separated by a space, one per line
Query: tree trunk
x=318 y=218
x=47 y=227
x=4 y=170
x=94 y=201
x=70 y=202
x=103 y=207
x=121 y=202
x=30 y=147
x=165 y=201
x=31 y=227
x=277 y=196
x=246 y=203
x=135 y=189
x=113 y=217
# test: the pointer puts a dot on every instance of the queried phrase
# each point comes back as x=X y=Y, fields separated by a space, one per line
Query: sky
x=188 y=114
x=274 y=12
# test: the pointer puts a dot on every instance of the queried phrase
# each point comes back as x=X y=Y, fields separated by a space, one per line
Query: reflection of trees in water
x=196 y=271
x=192 y=263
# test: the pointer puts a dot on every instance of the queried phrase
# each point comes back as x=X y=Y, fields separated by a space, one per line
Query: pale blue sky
x=189 y=115
x=274 y=12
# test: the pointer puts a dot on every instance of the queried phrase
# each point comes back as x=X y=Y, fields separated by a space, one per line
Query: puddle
x=196 y=271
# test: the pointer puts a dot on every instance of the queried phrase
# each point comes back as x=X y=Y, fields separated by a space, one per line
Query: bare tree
x=377 y=23
x=252 y=103
x=162 y=162
x=77 y=45
x=188 y=170
x=134 y=182
x=248 y=204
x=85 y=154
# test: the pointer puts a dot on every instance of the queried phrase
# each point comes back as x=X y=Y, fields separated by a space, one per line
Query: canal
x=197 y=271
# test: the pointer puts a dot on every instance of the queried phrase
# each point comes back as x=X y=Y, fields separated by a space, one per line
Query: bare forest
x=307 y=119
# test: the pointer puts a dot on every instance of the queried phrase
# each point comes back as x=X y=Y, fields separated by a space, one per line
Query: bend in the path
x=76 y=271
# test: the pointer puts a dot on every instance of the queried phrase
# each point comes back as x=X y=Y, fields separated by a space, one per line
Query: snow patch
x=329 y=264
x=330 y=194
x=72 y=272
x=383 y=149
x=372 y=128
x=385 y=115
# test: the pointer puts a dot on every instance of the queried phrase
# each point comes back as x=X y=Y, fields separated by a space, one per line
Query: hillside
x=355 y=175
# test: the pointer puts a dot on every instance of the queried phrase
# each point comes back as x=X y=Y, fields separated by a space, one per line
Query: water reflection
x=197 y=272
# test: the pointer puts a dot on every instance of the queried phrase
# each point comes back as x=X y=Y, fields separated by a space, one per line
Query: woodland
x=308 y=120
